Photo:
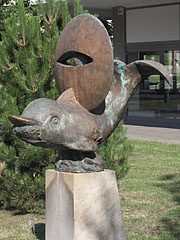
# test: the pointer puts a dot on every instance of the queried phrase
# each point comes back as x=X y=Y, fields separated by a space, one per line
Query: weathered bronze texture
x=66 y=124
x=86 y=40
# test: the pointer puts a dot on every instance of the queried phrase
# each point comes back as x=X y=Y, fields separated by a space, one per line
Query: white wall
x=153 y=24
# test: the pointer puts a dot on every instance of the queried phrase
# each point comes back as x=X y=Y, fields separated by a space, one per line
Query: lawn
x=150 y=198
x=15 y=226
x=150 y=193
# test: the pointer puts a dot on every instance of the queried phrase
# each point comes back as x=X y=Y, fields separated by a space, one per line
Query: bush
x=27 y=73
x=116 y=151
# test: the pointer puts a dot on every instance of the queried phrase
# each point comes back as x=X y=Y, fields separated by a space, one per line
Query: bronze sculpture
x=95 y=91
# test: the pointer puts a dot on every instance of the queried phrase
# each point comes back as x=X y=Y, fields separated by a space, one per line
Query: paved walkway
x=168 y=135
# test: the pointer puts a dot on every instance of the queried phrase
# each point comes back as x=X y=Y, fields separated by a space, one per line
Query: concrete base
x=83 y=206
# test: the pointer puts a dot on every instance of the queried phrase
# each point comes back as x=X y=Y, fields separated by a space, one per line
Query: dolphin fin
x=149 y=67
x=68 y=96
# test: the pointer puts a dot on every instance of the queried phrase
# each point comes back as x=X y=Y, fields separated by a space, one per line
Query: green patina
x=109 y=111
x=119 y=101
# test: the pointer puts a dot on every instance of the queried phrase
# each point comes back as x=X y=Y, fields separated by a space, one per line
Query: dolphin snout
x=19 y=121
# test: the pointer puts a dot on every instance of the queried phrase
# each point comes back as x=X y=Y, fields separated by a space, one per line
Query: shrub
x=116 y=151
x=26 y=73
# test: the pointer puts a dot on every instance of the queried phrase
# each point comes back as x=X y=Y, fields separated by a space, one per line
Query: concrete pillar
x=83 y=206
x=119 y=32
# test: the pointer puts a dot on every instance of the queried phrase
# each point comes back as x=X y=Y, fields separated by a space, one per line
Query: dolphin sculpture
x=72 y=124
x=64 y=124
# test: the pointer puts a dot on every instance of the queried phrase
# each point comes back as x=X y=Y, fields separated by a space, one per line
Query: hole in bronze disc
x=74 y=58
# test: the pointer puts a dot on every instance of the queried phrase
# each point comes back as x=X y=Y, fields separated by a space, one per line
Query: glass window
x=155 y=98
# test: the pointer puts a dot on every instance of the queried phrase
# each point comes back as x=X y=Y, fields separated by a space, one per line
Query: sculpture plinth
x=83 y=206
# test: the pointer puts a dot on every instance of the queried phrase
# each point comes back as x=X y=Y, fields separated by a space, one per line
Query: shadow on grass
x=40 y=231
x=16 y=212
x=171 y=221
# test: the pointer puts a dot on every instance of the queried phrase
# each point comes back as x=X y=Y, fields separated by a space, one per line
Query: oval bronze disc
x=84 y=60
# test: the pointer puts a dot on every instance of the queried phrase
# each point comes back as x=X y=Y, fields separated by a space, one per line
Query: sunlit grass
x=150 y=193
x=16 y=226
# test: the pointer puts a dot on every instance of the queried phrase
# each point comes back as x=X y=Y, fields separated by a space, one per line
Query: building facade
x=154 y=33
x=148 y=29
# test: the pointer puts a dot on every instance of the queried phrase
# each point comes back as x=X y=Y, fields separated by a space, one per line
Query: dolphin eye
x=55 y=120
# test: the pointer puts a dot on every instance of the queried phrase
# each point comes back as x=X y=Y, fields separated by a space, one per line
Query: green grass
x=150 y=198
x=150 y=193
x=15 y=226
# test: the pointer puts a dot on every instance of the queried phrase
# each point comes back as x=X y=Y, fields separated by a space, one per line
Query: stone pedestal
x=83 y=206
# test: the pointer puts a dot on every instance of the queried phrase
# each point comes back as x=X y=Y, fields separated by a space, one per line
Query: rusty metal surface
x=86 y=39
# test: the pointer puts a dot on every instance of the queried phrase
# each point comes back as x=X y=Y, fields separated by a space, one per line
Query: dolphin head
x=39 y=123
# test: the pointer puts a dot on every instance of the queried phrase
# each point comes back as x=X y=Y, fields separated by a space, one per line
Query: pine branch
x=29 y=90
x=50 y=16
x=9 y=68
x=38 y=44
x=26 y=52
x=5 y=68
x=49 y=58
x=17 y=41
x=3 y=105
x=45 y=19
x=23 y=35
x=48 y=82
x=37 y=56
x=26 y=88
x=56 y=14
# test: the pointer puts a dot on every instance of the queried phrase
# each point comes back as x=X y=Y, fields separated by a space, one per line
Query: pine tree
x=116 y=151
x=27 y=73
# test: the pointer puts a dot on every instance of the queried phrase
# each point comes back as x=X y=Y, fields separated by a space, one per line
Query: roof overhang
x=104 y=7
